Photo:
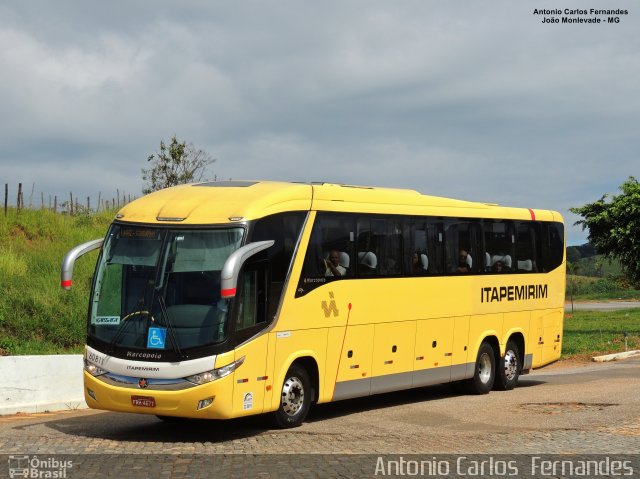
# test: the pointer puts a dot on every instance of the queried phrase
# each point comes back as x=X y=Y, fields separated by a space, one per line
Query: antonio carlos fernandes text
x=464 y=466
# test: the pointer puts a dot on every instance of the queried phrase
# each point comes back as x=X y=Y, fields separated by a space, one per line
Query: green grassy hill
x=587 y=262
x=36 y=315
x=591 y=276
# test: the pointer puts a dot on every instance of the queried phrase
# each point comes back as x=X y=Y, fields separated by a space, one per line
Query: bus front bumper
x=207 y=401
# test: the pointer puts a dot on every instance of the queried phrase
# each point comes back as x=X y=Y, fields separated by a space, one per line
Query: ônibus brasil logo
x=35 y=467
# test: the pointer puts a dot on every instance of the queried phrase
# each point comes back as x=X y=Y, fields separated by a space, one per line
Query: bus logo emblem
x=332 y=307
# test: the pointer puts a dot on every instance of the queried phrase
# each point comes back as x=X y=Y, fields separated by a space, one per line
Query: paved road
x=602 y=306
x=586 y=409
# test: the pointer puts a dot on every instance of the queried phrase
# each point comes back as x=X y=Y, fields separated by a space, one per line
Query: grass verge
x=594 y=333
x=36 y=315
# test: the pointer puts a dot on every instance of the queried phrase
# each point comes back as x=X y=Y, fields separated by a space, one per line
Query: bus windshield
x=160 y=288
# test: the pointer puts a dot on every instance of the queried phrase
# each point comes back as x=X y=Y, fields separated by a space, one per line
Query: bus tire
x=485 y=371
x=295 y=398
x=509 y=368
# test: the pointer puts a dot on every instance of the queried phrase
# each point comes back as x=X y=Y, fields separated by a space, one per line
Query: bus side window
x=418 y=251
x=462 y=240
x=452 y=246
x=367 y=258
x=252 y=300
x=379 y=247
x=526 y=248
x=388 y=234
x=499 y=241
x=435 y=246
x=331 y=237
x=284 y=229
x=553 y=245
x=425 y=252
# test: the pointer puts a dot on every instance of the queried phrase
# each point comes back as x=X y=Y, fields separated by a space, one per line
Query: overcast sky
x=465 y=99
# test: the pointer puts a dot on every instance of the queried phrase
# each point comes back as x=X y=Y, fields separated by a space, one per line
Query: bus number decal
x=95 y=358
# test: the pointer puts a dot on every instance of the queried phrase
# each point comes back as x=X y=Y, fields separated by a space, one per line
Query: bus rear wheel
x=485 y=371
x=295 y=398
x=510 y=367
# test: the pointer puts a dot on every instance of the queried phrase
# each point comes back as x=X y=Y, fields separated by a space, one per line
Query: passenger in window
x=418 y=261
x=334 y=268
x=463 y=268
x=463 y=262
x=367 y=263
x=415 y=263
x=499 y=267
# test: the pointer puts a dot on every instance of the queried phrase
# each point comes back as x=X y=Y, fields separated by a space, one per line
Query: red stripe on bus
x=228 y=292
x=533 y=215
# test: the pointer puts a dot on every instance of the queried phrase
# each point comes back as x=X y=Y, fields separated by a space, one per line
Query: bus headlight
x=93 y=369
x=208 y=376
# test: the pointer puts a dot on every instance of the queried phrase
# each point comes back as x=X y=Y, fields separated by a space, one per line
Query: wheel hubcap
x=292 y=396
x=510 y=365
x=484 y=368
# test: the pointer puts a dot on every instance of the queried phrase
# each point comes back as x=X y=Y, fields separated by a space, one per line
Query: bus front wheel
x=295 y=398
x=485 y=371
x=510 y=367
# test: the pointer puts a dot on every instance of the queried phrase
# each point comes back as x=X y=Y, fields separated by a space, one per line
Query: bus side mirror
x=70 y=258
x=231 y=268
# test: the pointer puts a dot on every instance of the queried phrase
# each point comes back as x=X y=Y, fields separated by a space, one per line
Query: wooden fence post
x=71 y=203
x=6 y=197
x=19 y=196
x=33 y=188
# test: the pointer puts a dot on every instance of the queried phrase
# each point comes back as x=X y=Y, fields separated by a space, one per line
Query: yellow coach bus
x=226 y=299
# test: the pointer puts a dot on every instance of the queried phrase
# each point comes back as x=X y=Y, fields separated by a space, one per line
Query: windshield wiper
x=135 y=311
x=138 y=308
x=174 y=336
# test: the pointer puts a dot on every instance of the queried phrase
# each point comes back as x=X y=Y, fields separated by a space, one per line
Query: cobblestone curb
x=616 y=356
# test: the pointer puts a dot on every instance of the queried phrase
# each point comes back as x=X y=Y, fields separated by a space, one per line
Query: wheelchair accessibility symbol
x=156 y=338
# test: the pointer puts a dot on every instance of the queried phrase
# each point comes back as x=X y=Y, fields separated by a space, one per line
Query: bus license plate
x=143 y=401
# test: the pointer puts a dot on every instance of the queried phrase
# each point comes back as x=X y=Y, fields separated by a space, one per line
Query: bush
x=611 y=287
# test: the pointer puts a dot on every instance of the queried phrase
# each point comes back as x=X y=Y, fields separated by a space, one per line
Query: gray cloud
x=477 y=101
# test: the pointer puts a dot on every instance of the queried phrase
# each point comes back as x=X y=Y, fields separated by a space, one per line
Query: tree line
x=613 y=222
